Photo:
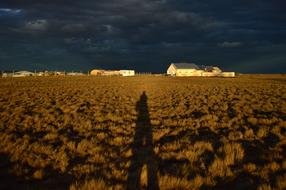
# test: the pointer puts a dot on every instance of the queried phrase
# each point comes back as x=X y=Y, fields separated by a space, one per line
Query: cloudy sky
x=145 y=35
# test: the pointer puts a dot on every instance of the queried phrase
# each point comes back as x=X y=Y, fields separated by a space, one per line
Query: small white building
x=75 y=74
x=127 y=73
x=23 y=74
x=228 y=74
x=4 y=75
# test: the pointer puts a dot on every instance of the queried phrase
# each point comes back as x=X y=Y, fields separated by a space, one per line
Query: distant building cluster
x=60 y=73
x=190 y=69
x=175 y=69
x=40 y=74
x=112 y=73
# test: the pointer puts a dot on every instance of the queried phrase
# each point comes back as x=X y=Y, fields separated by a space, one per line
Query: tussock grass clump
x=233 y=153
x=39 y=174
x=170 y=182
x=91 y=185
x=219 y=168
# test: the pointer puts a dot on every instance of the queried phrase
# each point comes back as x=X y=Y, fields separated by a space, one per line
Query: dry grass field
x=143 y=132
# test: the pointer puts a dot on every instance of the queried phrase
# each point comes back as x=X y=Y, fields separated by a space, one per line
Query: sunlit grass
x=78 y=133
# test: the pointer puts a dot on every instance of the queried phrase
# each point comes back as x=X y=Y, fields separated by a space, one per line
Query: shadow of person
x=143 y=153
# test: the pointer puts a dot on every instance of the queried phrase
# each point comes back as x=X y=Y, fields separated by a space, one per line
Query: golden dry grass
x=104 y=133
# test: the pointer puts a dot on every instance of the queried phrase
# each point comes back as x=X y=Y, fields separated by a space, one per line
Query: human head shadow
x=142 y=150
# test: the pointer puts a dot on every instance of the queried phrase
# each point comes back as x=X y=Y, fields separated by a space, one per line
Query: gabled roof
x=24 y=72
x=186 y=66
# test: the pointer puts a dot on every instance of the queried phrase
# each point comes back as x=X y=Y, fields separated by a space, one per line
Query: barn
x=112 y=72
x=184 y=69
x=96 y=72
x=191 y=69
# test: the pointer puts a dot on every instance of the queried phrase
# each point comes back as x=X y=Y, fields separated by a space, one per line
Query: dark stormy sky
x=145 y=35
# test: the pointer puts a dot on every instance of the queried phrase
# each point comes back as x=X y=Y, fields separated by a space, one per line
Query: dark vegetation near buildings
x=149 y=132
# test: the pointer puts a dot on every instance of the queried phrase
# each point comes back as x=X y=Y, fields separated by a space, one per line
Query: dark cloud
x=230 y=44
x=142 y=34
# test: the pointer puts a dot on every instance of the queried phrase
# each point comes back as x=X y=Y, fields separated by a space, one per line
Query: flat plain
x=143 y=132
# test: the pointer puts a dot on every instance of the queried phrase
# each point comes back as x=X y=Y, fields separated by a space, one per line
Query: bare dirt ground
x=143 y=132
